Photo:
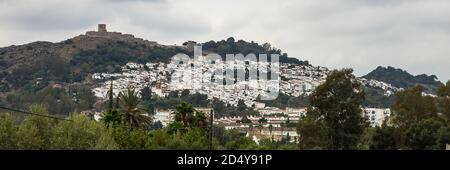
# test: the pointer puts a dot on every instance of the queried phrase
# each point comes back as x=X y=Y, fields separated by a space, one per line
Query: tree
x=189 y=117
x=428 y=134
x=185 y=93
x=444 y=99
x=131 y=112
x=231 y=40
x=81 y=133
x=8 y=130
x=411 y=106
x=337 y=103
x=35 y=131
x=241 y=143
x=313 y=133
x=85 y=95
x=112 y=117
x=110 y=97
x=131 y=138
x=384 y=138
x=184 y=113
x=262 y=120
x=146 y=93
x=241 y=106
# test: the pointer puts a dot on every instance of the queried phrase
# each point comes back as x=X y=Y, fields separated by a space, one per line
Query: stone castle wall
x=103 y=33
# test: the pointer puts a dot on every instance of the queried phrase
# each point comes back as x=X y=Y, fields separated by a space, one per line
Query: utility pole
x=211 y=119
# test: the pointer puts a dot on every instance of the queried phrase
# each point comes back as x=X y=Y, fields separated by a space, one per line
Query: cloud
x=362 y=34
x=121 y=1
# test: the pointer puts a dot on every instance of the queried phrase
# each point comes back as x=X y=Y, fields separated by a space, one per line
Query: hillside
x=38 y=64
x=402 y=79
x=70 y=75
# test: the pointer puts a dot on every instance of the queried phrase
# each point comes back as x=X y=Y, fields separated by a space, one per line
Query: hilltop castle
x=102 y=32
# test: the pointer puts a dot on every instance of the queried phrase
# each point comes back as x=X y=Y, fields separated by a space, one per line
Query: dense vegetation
x=57 y=100
x=176 y=98
x=402 y=79
x=124 y=126
x=110 y=56
x=283 y=101
x=375 y=98
x=37 y=75
x=335 y=113
x=334 y=120
x=231 y=46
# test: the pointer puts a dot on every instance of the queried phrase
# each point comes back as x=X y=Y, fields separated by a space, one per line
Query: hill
x=39 y=64
x=60 y=75
x=402 y=79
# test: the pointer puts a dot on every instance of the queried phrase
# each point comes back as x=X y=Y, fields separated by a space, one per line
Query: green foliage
x=221 y=109
x=187 y=118
x=444 y=99
x=57 y=100
x=337 y=103
x=375 y=98
x=131 y=138
x=35 y=132
x=41 y=133
x=428 y=134
x=44 y=69
x=186 y=114
x=283 y=101
x=81 y=133
x=192 y=139
x=230 y=46
x=112 y=114
x=402 y=79
x=384 y=138
x=262 y=120
x=173 y=100
x=365 y=140
x=131 y=112
x=112 y=117
x=411 y=106
x=7 y=132
x=146 y=93
x=415 y=123
x=313 y=133
x=109 y=56
x=241 y=143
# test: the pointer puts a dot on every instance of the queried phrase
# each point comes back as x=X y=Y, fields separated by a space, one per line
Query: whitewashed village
x=294 y=80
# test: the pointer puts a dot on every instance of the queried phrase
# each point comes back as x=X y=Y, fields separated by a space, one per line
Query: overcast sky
x=362 y=34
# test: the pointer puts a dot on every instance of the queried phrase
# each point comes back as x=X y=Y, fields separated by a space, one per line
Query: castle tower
x=102 y=28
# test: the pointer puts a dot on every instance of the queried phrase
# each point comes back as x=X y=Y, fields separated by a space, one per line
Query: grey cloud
x=411 y=34
x=121 y=1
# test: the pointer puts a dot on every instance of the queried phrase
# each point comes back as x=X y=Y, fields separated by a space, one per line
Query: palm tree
x=184 y=113
x=131 y=112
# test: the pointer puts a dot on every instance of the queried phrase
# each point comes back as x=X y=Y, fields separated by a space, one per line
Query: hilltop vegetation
x=402 y=79
x=231 y=46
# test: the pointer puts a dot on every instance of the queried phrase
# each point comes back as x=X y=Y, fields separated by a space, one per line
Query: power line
x=30 y=113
